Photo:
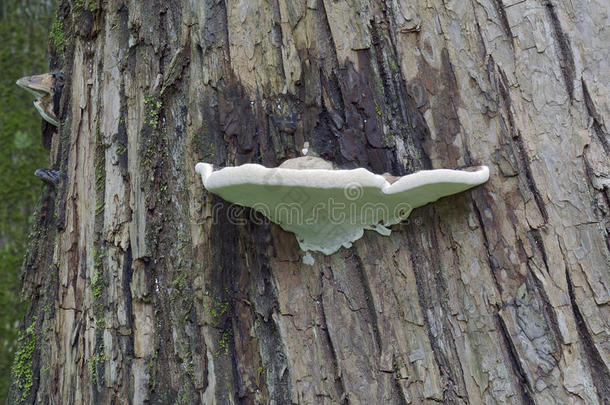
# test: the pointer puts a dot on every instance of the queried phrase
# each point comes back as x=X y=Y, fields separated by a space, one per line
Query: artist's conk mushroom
x=327 y=208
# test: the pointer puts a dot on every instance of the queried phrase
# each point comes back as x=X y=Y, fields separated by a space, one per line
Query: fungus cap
x=326 y=208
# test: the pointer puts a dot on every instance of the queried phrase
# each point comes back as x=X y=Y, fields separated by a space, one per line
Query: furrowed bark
x=160 y=292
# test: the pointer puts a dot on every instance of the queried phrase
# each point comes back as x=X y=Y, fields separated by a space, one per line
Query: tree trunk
x=146 y=288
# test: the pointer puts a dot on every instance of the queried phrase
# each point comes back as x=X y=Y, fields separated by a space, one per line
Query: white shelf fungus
x=327 y=208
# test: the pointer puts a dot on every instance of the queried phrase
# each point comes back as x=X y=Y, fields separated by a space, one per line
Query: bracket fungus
x=47 y=89
x=327 y=208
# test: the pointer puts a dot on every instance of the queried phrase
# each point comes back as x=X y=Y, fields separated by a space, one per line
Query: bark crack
x=517 y=140
x=527 y=393
x=599 y=371
x=338 y=382
x=369 y=301
x=504 y=20
x=493 y=264
x=597 y=125
x=279 y=37
x=563 y=48
x=454 y=383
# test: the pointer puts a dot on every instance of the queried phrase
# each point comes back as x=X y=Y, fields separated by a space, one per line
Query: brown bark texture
x=144 y=288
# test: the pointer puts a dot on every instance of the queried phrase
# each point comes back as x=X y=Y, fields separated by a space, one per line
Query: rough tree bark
x=141 y=291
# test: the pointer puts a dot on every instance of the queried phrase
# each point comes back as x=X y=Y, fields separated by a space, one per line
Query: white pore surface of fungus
x=327 y=208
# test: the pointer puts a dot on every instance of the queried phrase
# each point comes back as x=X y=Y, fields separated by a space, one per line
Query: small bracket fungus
x=47 y=89
x=327 y=208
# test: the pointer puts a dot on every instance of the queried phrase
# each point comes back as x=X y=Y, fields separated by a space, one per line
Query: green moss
x=216 y=308
x=22 y=364
x=388 y=137
x=97 y=289
x=78 y=6
x=179 y=282
x=99 y=209
x=377 y=108
x=121 y=148
x=96 y=360
x=225 y=341
x=58 y=36
x=100 y=164
x=262 y=370
x=100 y=324
x=97 y=282
x=153 y=105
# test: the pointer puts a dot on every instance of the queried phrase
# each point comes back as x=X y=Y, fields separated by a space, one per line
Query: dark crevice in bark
x=445 y=117
x=400 y=396
x=391 y=94
x=326 y=41
x=99 y=278
x=368 y=296
x=215 y=33
x=264 y=296
x=276 y=29
x=177 y=340
x=602 y=206
x=219 y=287
x=406 y=119
x=338 y=381
x=599 y=371
x=230 y=327
x=332 y=115
x=517 y=145
x=122 y=139
x=480 y=41
x=526 y=391
x=597 y=126
x=457 y=385
x=239 y=125
x=268 y=135
x=454 y=383
x=550 y=316
x=351 y=100
x=162 y=34
x=209 y=138
x=250 y=370
x=330 y=119
x=122 y=144
x=504 y=20
x=162 y=359
x=526 y=165
x=225 y=25
x=493 y=263
x=563 y=48
x=129 y=351
x=379 y=55
x=64 y=144
x=539 y=245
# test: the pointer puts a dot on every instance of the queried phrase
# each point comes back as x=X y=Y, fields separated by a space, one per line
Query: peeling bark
x=145 y=288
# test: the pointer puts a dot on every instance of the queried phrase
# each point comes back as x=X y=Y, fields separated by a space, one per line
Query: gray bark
x=142 y=291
